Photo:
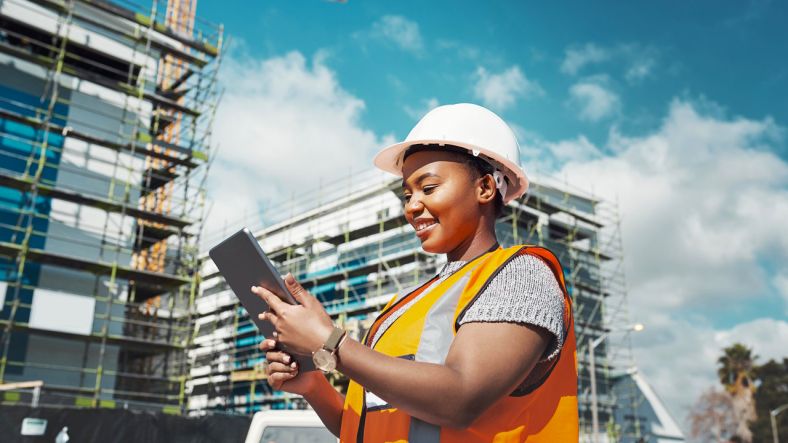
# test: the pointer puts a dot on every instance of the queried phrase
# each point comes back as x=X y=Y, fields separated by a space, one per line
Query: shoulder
x=527 y=272
x=532 y=262
x=525 y=290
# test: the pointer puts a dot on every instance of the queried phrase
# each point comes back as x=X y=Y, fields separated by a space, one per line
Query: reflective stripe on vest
x=545 y=411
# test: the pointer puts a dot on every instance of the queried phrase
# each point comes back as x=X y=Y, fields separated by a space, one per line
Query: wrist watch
x=325 y=358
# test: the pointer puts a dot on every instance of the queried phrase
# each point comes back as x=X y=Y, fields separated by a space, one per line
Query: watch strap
x=333 y=340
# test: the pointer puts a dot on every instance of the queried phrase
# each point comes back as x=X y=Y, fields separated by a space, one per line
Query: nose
x=414 y=206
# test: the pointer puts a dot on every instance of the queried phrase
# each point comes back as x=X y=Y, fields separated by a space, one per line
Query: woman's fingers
x=277 y=356
x=274 y=304
x=281 y=366
x=276 y=367
x=270 y=317
x=276 y=380
x=297 y=291
x=288 y=320
x=278 y=373
x=267 y=345
x=272 y=356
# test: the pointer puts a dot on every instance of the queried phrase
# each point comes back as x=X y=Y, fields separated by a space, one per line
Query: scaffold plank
x=125 y=88
x=139 y=149
x=156 y=280
x=139 y=344
x=365 y=231
x=26 y=185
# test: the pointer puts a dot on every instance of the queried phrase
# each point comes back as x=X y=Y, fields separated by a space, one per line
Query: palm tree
x=737 y=362
x=736 y=372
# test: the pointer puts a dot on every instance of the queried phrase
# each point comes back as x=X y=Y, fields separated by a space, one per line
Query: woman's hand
x=312 y=385
x=282 y=371
x=302 y=328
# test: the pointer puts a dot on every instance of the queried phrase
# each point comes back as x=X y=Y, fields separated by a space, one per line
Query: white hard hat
x=468 y=126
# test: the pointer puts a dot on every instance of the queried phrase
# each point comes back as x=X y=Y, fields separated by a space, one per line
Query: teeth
x=422 y=226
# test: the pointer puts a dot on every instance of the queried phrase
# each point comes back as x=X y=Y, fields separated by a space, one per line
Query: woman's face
x=440 y=200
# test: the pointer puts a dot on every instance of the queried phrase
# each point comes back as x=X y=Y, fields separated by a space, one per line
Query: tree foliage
x=736 y=365
x=712 y=418
x=741 y=410
x=734 y=414
x=772 y=392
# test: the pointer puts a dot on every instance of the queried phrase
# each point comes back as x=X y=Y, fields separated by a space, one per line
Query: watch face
x=324 y=360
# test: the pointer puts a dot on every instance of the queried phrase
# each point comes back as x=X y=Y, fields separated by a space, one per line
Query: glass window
x=297 y=434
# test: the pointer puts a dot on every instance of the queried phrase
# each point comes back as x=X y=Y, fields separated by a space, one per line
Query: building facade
x=105 y=116
x=648 y=412
x=350 y=245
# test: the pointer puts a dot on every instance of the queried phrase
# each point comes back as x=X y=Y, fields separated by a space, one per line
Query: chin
x=434 y=248
x=430 y=250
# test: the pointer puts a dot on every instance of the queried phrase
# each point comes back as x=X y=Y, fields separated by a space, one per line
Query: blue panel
x=22 y=149
x=325 y=287
x=246 y=341
x=246 y=328
x=361 y=279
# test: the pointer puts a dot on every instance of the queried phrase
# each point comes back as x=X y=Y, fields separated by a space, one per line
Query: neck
x=475 y=246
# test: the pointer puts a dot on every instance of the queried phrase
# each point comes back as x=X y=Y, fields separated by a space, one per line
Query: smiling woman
x=483 y=351
x=442 y=178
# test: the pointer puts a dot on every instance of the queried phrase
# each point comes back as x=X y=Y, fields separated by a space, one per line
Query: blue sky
x=731 y=52
x=677 y=110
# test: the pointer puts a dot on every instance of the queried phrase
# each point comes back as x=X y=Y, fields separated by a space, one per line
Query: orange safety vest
x=545 y=410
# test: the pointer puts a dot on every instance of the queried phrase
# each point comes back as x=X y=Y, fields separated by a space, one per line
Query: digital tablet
x=242 y=262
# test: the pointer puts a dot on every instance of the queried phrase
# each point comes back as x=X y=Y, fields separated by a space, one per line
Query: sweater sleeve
x=525 y=291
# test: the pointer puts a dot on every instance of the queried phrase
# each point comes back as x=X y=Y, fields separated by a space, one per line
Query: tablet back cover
x=242 y=262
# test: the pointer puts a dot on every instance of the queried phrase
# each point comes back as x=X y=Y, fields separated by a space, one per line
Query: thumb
x=296 y=290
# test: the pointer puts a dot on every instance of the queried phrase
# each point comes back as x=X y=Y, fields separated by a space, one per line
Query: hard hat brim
x=390 y=159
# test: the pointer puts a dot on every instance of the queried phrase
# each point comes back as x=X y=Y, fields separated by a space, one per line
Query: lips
x=424 y=227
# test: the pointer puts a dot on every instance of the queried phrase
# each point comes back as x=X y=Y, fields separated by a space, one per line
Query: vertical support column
x=594 y=410
x=36 y=396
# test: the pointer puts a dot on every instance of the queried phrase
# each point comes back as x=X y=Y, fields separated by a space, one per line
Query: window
x=297 y=434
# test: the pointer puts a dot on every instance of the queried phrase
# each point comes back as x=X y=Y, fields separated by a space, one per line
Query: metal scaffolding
x=349 y=244
x=105 y=131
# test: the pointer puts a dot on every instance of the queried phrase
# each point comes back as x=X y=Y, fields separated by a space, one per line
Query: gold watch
x=325 y=358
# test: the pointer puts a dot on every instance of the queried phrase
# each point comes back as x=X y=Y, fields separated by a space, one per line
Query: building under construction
x=105 y=129
x=350 y=245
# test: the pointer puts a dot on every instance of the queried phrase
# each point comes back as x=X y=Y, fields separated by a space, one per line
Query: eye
x=429 y=188
x=405 y=198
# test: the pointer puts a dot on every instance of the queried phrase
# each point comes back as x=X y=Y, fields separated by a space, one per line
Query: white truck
x=288 y=426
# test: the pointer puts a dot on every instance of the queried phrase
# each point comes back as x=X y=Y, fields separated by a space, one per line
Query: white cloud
x=542 y=157
x=703 y=201
x=766 y=336
x=400 y=31
x=639 y=61
x=593 y=100
x=780 y=282
x=283 y=124
x=417 y=112
x=577 y=57
x=461 y=50
x=500 y=91
x=640 y=68
x=578 y=149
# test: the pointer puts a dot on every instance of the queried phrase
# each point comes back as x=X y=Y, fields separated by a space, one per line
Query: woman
x=483 y=351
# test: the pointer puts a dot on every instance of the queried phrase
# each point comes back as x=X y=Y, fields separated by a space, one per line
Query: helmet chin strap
x=500 y=182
